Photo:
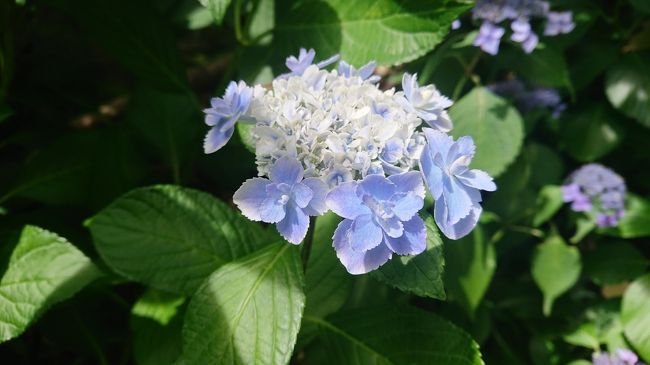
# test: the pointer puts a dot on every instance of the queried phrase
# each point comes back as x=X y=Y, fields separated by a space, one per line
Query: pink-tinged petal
x=250 y=197
x=357 y=262
x=413 y=241
x=317 y=205
x=302 y=195
x=364 y=234
x=408 y=182
x=216 y=138
x=295 y=224
x=344 y=201
x=477 y=179
x=286 y=170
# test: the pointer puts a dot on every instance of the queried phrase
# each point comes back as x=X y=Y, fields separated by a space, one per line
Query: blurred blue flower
x=595 y=188
x=621 y=357
x=455 y=188
x=528 y=100
x=522 y=33
x=286 y=199
x=425 y=101
x=304 y=60
x=380 y=218
x=489 y=38
x=455 y=24
x=224 y=113
x=365 y=72
x=559 y=23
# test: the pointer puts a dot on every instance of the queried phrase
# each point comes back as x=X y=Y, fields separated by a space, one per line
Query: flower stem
x=239 y=33
x=307 y=242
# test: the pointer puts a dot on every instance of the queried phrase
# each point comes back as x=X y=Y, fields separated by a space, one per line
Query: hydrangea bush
x=324 y=182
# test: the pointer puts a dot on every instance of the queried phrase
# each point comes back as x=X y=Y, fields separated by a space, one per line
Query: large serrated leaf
x=495 y=126
x=635 y=315
x=388 y=31
x=421 y=274
x=628 y=87
x=43 y=269
x=248 y=311
x=171 y=237
x=395 y=335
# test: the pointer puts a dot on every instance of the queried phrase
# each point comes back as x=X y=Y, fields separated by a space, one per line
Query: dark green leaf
x=546 y=165
x=549 y=201
x=546 y=66
x=43 y=269
x=248 y=311
x=589 y=132
x=614 y=263
x=172 y=238
x=628 y=87
x=495 y=125
x=635 y=314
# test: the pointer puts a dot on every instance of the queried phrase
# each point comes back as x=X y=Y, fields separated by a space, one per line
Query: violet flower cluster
x=519 y=13
x=332 y=140
x=528 y=99
x=620 y=357
x=595 y=189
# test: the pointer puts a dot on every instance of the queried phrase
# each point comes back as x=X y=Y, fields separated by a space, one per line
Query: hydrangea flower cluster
x=595 y=188
x=332 y=140
x=529 y=99
x=519 y=13
x=620 y=357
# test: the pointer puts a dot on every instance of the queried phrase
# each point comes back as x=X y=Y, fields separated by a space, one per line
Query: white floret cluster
x=341 y=128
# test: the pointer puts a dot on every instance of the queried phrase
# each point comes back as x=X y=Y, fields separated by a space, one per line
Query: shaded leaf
x=628 y=87
x=589 y=132
x=613 y=263
x=635 y=221
x=635 y=315
x=549 y=201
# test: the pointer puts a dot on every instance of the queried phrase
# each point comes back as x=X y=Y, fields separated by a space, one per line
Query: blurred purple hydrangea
x=456 y=189
x=620 y=357
x=224 y=113
x=531 y=99
x=519 y=13
x=286 y=199
x=380 y=218
x=597 y=189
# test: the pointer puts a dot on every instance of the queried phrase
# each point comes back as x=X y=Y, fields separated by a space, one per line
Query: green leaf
x=217 y=8
x=545 y=67
x=641 y=5
x=549 y=201
x=627 y=85
x=248 y=311
x=585 y=335
x=495 y=125
x=471 y=262
x=614 y=263
x=43 y=269
x=395 y=335
x=556 y=267
x=244 y=131
x=635 y=314
x=156 y=324
x=546 y=165
x=636 y=220
x=135 y=35
x=172 y=238
x=420 y=274
x=590 y=131
x=388 y=31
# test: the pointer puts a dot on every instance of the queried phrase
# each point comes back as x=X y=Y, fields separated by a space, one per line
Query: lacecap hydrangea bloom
x=595 y=189
x=333 y=140
x=530 y=98
x=519 y=13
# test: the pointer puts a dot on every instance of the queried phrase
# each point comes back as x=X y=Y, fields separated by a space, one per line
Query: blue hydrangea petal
x=344 y=201
x=458 y=199
x=272 y=209
x=293 y=227
x=438 y=143
x=406 y=205
x=413 y=241
x=408 y=182
x=250 y=197
x=317 y=205
x=364 y=234
x=391 y=226
x=286 y=170
x=431 y=173
x=216 y=138
x=409 y=84
x=366 y=70
x=378 y=187
x=477 y=179
x=460 y=228
x=357 y=262
x=329 y=61
x=302 y=195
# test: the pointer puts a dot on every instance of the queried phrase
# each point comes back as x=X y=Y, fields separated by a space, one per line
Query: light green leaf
x=43 y=269
x=471 y=262
x=248 y=311
x=635 y=315
x=614 y=262
x=585 y=335
x=217 y=8
x=395 y=335
x=495 y=125
x=170 y=237
x=549 y=201
x=388 y=31
x=421 y=274
x=589 y=132
x=556 y=267
x=584 y=226
x=627 y=85
x=636 y=220
x=244 y=131
x=158 y=306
